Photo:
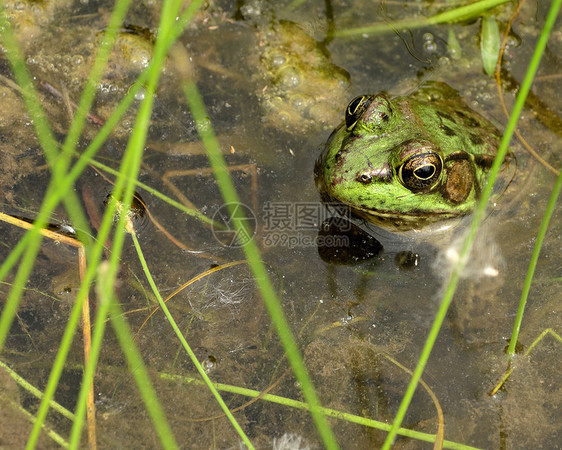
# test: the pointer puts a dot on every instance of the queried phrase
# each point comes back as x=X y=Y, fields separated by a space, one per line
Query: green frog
x=410 y=161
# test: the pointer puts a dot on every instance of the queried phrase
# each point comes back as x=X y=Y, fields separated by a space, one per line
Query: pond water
x=276 y=78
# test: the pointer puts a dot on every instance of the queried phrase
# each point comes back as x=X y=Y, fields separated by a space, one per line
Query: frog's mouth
x=412 y=220
x=402 y=221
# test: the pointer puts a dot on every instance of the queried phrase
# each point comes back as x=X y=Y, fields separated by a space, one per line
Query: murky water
x=351 y=320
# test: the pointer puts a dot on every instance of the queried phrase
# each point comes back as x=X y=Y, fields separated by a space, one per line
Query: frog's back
x=448 y=118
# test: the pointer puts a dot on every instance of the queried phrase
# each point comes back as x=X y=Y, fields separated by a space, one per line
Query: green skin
x=409 y=161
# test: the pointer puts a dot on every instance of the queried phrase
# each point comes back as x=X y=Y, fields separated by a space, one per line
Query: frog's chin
x=436 y=221
x=433 y=221
x=415 y=221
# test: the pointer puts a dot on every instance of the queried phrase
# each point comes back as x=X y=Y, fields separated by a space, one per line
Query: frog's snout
x=382 y=174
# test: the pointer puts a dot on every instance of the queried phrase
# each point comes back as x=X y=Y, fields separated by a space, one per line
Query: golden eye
x=355 y=110
x=420 y=172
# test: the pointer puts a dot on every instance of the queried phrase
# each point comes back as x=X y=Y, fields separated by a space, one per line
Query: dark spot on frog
x=364 y=178
x=336 y=180
x=448 y=131
x=476 y=139
x=484 y=161
x=445 y=116
x=468 y=120
x=339 y=155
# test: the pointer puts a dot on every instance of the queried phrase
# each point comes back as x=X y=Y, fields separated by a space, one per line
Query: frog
x=406 y=162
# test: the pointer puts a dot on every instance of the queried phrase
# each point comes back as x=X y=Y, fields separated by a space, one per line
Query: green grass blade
x=186 y=346
x=478 y=215
x=88 y=94
x=124 y=190
x=451 y=16
x=135 y=362
x=91 y=365
x=490 y=41
x=533 y=264
x=36 y=392
x=340 y=415
x=256 y=264
x=48 y=431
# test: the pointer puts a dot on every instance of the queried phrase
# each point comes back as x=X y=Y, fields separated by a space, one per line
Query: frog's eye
x=355 y=110
x=420 y=172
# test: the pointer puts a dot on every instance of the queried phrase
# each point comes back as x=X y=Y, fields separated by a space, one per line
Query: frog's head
x=383 y=164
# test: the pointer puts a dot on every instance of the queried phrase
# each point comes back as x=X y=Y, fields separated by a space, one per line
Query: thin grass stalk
x=68 y=149
x=29 y=388
x=340 y=415
x=57 y=368
x=532 y=265
x=478 y=215
x=95 y=255
x=453 y=15
x=186 y=346
x=90 y=366
x=58 y=364
x=256 y=264
x=134 y=360
x=88 y=94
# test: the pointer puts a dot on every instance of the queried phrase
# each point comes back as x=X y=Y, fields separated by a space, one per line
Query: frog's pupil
x=425 y=172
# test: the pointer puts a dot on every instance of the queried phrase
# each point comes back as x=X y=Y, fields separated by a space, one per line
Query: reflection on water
x=347 y=318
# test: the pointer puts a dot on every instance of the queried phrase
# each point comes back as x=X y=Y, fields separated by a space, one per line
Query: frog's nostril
x=383 y=173
x=364 y=178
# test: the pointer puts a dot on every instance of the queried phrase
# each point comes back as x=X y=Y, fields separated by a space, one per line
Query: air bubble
x=140 y=95
x=298 y=101
x=429 y=44
x=209 y=364
x=289 y=78
x=278 y=60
